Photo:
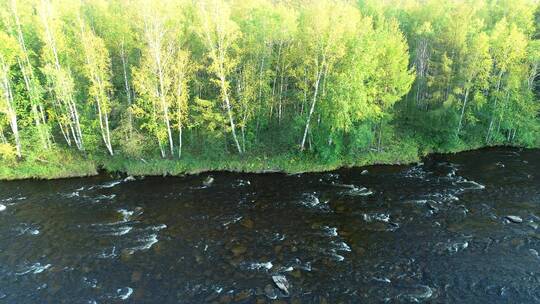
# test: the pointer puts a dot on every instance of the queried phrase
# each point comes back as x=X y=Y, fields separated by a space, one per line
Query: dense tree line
x=212 y=77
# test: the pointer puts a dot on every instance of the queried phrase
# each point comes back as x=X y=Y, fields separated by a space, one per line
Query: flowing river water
x=458 y=228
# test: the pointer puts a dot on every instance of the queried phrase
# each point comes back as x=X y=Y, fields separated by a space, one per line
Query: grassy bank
x=62 y=164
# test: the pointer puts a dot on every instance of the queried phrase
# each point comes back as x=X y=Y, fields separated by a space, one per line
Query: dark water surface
x=435 y=233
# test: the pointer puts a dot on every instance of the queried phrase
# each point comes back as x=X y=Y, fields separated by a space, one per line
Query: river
x=457 y=228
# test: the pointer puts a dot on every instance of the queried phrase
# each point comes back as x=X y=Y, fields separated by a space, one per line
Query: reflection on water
x=454 y=229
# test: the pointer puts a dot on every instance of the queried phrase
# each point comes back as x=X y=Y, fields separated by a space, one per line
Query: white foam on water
x=358 y=191
x=452 y=247
x=92 y=283
x=383 y=280
x=458 y=246
x=105 y=255
x=232 y=221
x=342 y=246
x=122 y=230
x=241 y=183
x=158 y=227
x=259 y=266
x=124 y=293
x=11 y=199
x=34 y=268
x=278 y=237
x=2 y=207
x=126 y=214
x=296 y=263
x=381 y=217
x=149 y=240
x=73 y=194
x=472 y=185
x=425 y=294
x=312 y=201
x=103 y=197
x=330 y=231
x=27 y=229
x=416 y=172
x=218 y=289
x=337 y=257
x=110 y=184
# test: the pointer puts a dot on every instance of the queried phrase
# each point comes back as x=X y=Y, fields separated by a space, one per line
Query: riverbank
x=65 y=164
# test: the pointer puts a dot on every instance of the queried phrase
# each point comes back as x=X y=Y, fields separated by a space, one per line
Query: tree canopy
x=327 y=79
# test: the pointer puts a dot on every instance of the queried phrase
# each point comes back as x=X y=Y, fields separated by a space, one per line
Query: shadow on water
x=455 y=229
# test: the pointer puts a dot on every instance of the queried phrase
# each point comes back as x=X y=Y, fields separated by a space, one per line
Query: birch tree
x=476 y=70
x=220 y=35
x=97 y=69
x=8 y=59
x=60 y=81
x=32 y=84
x=508 y=48
x=181 y=75
x=324 y=28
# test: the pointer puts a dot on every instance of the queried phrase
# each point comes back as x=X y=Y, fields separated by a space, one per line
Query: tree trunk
x=229 y=111
x=71 y=109
x=379 y=143
x=179 y=141
x=26 y=69
x=2 y=136
x=313 y=102
x=462 y=111
x=127 y=89
x=164 y=105
x=494 y=107
x=11 y=113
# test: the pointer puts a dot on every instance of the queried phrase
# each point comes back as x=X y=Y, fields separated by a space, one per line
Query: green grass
x=54 y=164
x=61 y=163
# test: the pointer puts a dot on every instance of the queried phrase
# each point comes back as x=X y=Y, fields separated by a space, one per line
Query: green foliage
x=173 y=86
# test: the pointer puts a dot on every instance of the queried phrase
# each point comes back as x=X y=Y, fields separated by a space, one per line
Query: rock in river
x=270 y=292
x=281 y=282
x=247 y=223
x=514 y=219
x=239 y=250
x=208 y=181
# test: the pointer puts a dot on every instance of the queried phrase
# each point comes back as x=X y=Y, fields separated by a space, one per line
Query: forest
x=177 y=86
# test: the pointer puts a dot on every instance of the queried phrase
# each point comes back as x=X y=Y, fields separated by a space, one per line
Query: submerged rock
x=248 y=223
x=270 y=292
x=243 y=295
x=239 y=250
x=208 y=181
x=136 y=276
x=514 y=219
x=281 y=282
